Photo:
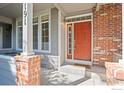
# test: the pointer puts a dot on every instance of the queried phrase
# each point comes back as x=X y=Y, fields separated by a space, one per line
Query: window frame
x=17 y=48
x=39 y=33
x=49 y=29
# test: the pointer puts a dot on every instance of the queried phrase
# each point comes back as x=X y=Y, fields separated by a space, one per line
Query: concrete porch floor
x=90 y=76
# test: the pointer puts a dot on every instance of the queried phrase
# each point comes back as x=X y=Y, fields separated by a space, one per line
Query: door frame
x=66 y=39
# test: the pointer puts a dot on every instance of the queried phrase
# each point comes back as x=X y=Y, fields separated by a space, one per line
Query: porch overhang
x=6 y=9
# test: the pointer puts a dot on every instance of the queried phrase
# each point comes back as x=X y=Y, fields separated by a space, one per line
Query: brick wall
x=28 y=70
x=107 y=24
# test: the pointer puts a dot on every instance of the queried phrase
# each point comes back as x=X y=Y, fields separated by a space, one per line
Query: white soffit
x=14 y=10
x=74 y=7
x=11 y=10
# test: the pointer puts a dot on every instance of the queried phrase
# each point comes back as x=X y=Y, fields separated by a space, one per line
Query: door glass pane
x=69 y=40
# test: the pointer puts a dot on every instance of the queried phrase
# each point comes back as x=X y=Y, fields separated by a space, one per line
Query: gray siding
x=54 y=31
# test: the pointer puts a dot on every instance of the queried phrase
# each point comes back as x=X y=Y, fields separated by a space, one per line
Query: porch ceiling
x=14 y=10
x=73 y=8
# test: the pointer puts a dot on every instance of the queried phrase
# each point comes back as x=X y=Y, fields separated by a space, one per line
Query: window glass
x=35 y=36
x=45 y=32
x=20 y=37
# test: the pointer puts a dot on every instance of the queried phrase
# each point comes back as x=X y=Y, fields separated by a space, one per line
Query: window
x=88 y=17
x=19 y=34
x=69 y=39
x=41 y=36
x=35 y=33
x=45 y=32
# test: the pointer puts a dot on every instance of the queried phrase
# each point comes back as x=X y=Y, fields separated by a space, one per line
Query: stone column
x=28 y=70
x=27 y=64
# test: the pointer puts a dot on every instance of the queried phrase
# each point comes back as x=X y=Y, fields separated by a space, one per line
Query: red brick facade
x=114 y=74
x=107 y=31
x=28 y=70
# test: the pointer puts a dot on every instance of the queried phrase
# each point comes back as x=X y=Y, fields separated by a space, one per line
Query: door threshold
x=80 y=62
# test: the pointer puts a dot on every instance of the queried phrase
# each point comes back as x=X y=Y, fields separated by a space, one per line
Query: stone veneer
x=28 y=70
x=107 y=32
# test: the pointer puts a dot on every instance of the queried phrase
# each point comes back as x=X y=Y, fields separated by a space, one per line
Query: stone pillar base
x=114 y=74
x=28 y=70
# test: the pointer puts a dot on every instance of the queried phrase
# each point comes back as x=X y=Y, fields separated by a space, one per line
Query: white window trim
x=49 y=21
x=17 y=48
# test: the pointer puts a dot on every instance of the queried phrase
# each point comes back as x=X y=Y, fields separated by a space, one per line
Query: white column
x=27 y=29
x=121 y=61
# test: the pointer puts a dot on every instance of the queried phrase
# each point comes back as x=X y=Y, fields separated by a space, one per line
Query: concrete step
x=80 y=62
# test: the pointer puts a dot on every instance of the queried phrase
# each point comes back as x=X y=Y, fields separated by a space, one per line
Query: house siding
x=54 y=31
x=107 y=24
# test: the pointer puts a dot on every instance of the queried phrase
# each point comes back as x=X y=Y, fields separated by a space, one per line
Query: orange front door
x=82 y=41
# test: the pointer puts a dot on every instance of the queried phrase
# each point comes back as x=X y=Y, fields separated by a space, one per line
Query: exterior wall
x=54 y=31
x=107 y=24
